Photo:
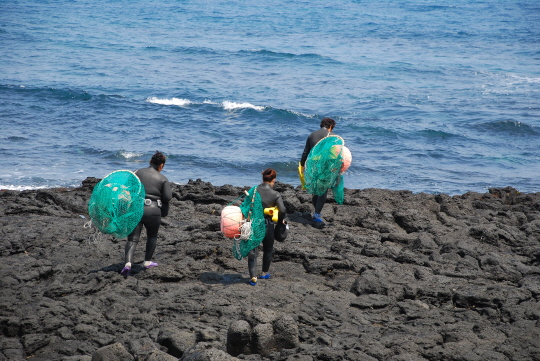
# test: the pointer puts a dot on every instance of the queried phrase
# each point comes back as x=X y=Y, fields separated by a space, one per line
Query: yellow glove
x=301 y=175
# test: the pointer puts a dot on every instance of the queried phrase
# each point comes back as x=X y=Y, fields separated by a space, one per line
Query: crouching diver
x=156 y=205
x=270 y=198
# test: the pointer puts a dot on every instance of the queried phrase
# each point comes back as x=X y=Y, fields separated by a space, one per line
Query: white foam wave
x=231 y=106
x=172 y=101
x=524 y=79
x=301 y=114
x=227 y=105
x=509 y=83
x=129 y=155
x=11 y=187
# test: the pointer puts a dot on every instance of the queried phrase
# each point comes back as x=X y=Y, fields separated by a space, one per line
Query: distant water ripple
x=429 y=97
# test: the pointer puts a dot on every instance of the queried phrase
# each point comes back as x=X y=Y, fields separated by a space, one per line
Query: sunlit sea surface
x=428 y=97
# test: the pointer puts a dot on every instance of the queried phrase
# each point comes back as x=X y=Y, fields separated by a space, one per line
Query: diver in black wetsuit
x=156 y=205
x=327 y=125
x=269 y=198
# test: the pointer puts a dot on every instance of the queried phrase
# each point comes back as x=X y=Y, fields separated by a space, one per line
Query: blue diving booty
x=317 y=217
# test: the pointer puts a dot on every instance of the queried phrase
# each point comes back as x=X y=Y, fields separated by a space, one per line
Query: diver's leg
x=131 y=243
x=268 y=249
x=318 y=204
x=252 y=263
x=152 y=228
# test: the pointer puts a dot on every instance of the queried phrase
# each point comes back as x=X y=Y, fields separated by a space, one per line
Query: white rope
x=245 y=230
x=95 y=237
x=245 y=233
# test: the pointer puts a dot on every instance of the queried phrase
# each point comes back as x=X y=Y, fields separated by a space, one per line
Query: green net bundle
x=253 y=212
x=117 y=203
x=323 y=168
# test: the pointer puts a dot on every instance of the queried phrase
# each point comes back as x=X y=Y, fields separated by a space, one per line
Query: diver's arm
x=305 y=154
x=166 y=196
x=281 y=208
x=166 y=192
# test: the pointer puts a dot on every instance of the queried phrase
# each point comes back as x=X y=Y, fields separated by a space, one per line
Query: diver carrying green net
x=253 y=229
x=323 y=169
x=117 y=203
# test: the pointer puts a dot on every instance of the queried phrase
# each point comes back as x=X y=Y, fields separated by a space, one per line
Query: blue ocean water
x=429 y=97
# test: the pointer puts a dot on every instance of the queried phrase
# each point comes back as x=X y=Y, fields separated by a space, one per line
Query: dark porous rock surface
x=391 y=276
x=263 y=332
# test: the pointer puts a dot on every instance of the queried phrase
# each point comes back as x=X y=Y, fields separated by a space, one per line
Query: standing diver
x=327 y=125
x=270 y=198
x=156 y=205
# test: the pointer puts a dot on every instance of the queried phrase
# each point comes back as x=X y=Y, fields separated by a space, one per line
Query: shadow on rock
x=223 y=278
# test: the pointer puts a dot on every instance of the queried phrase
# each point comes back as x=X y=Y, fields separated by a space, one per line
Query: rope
x=245 y=231
x=245 y=228
x=96 y=237
x=333 y=135
x=248 y=218
x=242 y=195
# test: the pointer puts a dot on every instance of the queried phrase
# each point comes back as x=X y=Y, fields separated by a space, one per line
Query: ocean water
x=429 y=97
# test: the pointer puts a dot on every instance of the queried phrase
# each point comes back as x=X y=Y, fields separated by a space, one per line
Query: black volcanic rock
x=391 y=276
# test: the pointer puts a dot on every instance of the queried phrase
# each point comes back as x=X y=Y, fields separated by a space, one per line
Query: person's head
x=269 y=175
x=328 y=123
x=158 y=160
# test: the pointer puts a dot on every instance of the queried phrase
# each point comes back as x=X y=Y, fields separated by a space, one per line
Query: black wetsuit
x=157 y=187
x=313 y=139
x=269 y=198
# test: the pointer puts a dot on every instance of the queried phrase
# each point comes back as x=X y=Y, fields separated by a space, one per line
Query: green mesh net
x=323 y=168
x=117 y=203
x=253 y=212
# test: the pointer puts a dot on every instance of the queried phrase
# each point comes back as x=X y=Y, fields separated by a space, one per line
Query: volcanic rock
x=391 y=275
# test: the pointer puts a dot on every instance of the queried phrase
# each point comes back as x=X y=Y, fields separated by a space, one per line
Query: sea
x=430 y=96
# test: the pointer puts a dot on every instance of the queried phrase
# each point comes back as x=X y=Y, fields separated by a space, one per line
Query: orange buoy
x=345 y=155
x=231 y=220
x=347 y=159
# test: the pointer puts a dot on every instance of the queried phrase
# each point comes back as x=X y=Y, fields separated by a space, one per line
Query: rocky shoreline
x=392 y=276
